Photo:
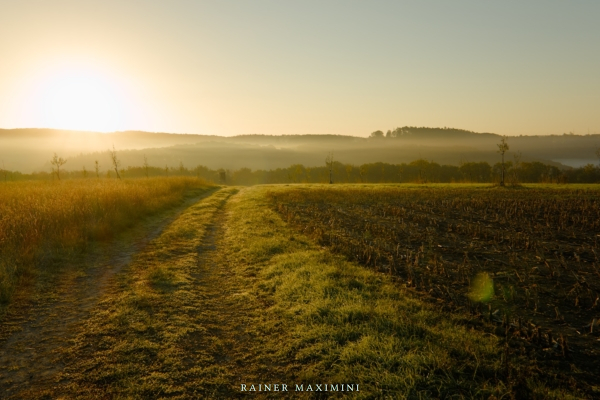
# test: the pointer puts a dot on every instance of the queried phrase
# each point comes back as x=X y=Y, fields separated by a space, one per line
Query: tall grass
x=42 y=218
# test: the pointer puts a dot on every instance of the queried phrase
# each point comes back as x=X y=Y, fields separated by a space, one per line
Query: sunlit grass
x=141 y=342
x=41 y=219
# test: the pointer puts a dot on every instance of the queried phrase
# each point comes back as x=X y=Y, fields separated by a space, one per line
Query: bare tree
x=329 y=163
x=115 y=161
x=97 y=168
x=502 y=148
x=57 y=162
x=146 y=166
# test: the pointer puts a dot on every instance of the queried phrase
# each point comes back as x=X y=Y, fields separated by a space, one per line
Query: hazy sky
x=302 y=67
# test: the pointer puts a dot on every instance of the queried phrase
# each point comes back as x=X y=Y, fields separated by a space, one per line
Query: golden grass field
x=40 y=219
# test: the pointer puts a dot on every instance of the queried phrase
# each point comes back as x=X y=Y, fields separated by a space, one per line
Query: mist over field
x=30 y=150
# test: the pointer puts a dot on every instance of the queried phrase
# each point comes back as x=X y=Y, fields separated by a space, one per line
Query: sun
x=80 y=98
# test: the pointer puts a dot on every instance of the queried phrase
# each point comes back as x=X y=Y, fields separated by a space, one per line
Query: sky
x=300 y=67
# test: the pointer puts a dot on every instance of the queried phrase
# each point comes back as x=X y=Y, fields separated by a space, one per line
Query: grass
x=330 y=320
x=41 y=222
x=230 y=294
x=150 y=338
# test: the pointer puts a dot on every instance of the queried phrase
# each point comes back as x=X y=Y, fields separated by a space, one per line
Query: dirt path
x=35 y=331
x=169 y=316
x=228 y=343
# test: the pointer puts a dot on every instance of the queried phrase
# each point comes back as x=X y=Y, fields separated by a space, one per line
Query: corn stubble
x=536 y=250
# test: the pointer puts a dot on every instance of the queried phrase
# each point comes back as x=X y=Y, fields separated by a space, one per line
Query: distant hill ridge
x=29 y=150
x=400 y=132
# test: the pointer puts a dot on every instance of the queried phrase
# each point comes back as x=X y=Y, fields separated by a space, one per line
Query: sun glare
x=80 y=99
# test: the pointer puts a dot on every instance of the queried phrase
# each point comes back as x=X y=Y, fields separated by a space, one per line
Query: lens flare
x=482 y=288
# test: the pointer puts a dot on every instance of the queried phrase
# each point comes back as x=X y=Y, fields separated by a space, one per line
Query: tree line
x=408 y=131
x=418 y=171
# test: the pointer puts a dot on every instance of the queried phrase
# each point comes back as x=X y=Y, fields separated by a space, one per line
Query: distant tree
x=146 y=166
x=598 y=155
x=589 y=173
x=398 y=132
x=329 y=164
x=115 y=161
x=242 y=176
x=422 y=166
x=377 y=134
x=4 y=171
x=299 y=172
x=295 y=173
x=97 y=168
x=167 y=170
x=497 y=169
x=307 y=171
x=465 y=168
x=502 y=148
x=85 y=173
x=348 y=169
x=57 y=162
x=202 y=171
x=388 y=134
x=536 y=171
x=181 y=168
x=476 y=171
x=362 y=173
x=515 y=178
x=222 y=176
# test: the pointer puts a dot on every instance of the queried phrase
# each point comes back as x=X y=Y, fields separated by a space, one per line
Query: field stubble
x=536 y=249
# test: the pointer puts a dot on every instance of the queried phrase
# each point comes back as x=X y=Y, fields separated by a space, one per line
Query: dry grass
x=165 y=329
x=40 y=221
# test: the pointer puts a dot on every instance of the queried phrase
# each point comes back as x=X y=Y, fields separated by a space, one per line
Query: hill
x=28 y=150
